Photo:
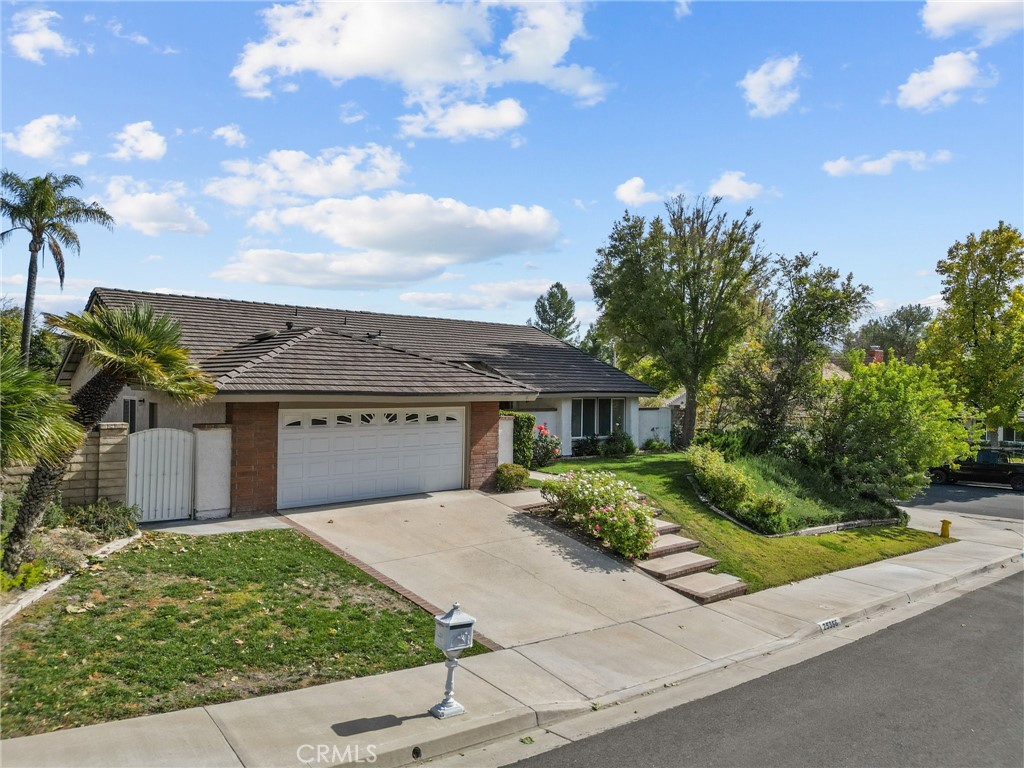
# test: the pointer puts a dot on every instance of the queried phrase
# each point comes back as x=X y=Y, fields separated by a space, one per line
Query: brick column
x=112 y=461
x=253 y=456
x=483 y=445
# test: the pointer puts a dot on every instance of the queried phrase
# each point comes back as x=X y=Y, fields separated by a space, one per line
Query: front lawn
x=759 y=561
x=178 y=621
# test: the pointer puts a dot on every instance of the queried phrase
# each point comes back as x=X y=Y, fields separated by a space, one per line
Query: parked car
x=988 y=466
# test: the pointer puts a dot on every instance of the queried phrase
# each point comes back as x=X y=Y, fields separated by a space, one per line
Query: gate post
x=212 y=496
x=112 y=461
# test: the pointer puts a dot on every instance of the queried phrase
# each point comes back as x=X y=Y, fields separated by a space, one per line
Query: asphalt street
x=940 y=689
x=971 y=499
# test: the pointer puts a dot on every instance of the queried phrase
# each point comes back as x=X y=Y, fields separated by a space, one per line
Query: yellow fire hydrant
x=944 y=532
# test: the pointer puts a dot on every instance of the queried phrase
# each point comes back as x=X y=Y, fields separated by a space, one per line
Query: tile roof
x=223 y=332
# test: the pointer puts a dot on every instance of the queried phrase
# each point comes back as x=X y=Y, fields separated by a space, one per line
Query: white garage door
x=327 y=456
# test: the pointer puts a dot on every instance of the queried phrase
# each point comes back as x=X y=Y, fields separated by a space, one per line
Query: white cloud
x=395 y=239
x=769 y=90
x=633 y=192
x=990 y=20
x=941 y=84
x=81 y=158
x=460 y=120
x=481 y=295
x=440 y=54
x=731 y=185
x=284 y=175
x=231 y=134
x=883 y=166
x=349 y=113
x=31 y=35
x=152 y=213
x=41 y=137
x=138 y=141
x=683 y=9
x=117 y=30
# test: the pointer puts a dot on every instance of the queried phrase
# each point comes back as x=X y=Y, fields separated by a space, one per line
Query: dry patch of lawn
x=176 y=621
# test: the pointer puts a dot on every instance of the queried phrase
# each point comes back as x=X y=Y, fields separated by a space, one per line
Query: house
x=327 y=405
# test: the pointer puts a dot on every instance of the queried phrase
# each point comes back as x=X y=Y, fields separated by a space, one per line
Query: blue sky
x=456 y=159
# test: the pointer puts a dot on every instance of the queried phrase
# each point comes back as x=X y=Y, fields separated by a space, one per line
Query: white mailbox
x=453 y=633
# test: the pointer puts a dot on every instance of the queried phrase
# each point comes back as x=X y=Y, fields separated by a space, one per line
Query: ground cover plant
x=176 y=621
x=759 y=561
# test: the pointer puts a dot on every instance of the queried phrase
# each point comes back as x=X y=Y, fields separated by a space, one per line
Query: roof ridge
x=318 y=309
x=269 y=355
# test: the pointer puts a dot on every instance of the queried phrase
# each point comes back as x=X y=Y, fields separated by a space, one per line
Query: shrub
x=29 y=575
x=522 y=437
x=655 y=444
x=546 y=446
x=512 y=477
x=619 y=443
x=605 y=507
x=105 y=519
x=731 y=491
x=767 y=514
x=726 y=486
x=587 y=446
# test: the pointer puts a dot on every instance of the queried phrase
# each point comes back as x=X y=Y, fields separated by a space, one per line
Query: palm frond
x=138 y=346
x=35 y=416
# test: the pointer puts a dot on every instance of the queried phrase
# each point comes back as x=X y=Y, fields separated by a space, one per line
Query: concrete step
x=708 y=587
x=664 y=527
x=669 y=544
x=679 y=564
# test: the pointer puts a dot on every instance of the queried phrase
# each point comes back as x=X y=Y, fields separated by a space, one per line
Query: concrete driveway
x=523 y=581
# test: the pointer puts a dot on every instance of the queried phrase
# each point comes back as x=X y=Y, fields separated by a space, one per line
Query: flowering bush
x=604 y=507
x=546 y=446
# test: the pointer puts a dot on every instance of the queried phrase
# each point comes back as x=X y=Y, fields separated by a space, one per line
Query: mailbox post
x=453 y=633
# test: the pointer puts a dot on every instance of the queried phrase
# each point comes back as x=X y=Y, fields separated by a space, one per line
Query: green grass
x=810 y=498
x=176 y=621
x=759 y=561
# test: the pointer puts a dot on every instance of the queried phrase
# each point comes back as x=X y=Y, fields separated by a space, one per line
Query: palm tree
x=131 y=346
x=40 y=207
x=35 y=416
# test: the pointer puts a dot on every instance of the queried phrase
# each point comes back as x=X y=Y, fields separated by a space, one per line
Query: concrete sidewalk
x=544 y=688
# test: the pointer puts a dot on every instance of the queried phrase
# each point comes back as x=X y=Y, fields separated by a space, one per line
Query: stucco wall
x=213 y=470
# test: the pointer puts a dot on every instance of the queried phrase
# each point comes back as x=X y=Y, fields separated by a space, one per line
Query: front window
x=598 y=416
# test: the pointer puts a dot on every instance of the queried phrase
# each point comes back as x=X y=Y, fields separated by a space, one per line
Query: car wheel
x=939 y=476
x=1017 y=482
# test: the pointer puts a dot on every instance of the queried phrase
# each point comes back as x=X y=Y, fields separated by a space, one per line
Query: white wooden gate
x=160 y=472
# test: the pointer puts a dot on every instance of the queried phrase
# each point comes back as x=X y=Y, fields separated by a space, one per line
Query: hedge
x=522 y=437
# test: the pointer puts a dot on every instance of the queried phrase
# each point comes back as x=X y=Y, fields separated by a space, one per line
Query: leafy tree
x=47 y=346
x=130 y=346
x=682 y=293
x=40 y=207
x=555 y=313
x=899 y=333
x=808 y=311
x=978 y=337
x=598 y=343
x=35 y=416
x=879 y=431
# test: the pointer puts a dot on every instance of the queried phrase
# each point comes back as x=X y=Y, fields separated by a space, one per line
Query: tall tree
x=41 y=207
x=809 y=310
x=131 y=346
x=900 y=332
x=977 y=338
x=47 y=346
x=555 y=312
x=682 y=293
